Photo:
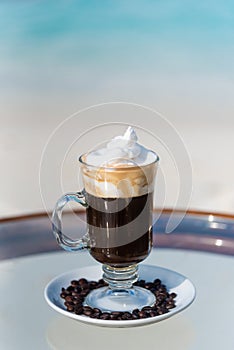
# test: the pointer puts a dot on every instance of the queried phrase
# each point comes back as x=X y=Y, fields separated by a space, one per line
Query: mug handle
x=64 y=241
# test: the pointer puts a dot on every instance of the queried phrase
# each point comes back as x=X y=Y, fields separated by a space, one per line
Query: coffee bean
x=173 y=295
x=126 y=316
x=68 y=303
x=82 y=281
x=74 y=283
x=84 y=292
x=170 y=305
x=159 y=300
x=78 y=297
x=149 y=285
x=96 y=310
x=69 y=298
x=136 y=312
x=87 y=312
x=141 y=283
x=70 y=289
x=101 y=282
x=93 y=285
x=76 y=292
x=105 y=316
x=147 y=308
x=70 y=308
x=85 y=286
x=142 y=314
x=115 y=315
x=79 y=310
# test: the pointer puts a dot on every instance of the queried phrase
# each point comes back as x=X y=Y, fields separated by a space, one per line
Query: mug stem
x=120 y=278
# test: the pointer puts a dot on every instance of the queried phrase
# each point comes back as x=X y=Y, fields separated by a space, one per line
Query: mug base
x=122 y=300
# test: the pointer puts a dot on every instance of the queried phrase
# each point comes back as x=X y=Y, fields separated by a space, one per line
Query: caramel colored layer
x=121 y=181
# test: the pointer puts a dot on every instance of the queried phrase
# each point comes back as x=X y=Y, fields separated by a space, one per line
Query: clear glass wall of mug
x=119 y=209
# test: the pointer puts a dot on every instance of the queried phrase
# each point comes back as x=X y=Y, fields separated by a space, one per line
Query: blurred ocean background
x=57 y=57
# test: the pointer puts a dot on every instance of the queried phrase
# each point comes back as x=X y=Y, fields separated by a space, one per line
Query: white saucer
x=174 y=282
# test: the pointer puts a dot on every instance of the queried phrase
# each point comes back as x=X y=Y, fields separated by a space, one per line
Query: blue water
x=89 y=30
x=90 y=44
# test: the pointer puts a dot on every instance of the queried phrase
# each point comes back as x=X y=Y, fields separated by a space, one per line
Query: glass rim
x=119 y=168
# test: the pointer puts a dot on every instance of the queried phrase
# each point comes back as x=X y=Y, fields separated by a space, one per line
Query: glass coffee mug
x=119 y=215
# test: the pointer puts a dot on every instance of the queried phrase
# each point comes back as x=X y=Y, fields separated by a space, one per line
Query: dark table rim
x=206 y=231
x=167 y=211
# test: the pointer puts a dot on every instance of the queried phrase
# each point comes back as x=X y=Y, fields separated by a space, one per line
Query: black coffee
x=120 y=229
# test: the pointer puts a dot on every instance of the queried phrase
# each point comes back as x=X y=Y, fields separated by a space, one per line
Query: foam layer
x=120 y=170
x=120 y=182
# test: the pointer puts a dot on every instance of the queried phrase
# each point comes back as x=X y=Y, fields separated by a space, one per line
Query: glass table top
x=200 y=248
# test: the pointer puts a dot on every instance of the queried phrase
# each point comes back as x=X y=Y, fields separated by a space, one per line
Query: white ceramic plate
x=174 y=282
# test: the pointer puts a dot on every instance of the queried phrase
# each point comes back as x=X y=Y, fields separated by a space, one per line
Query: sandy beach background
x=58 y=57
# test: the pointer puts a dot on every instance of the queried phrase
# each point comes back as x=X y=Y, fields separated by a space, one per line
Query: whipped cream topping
x=123 y=168
x=121 y=150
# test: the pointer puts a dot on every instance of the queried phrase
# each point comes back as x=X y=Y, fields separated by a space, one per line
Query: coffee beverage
x=118 y=186
x=120 y=229
x=119 y=194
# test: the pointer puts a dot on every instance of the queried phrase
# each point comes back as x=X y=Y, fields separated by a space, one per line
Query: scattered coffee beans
x=74 y=296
